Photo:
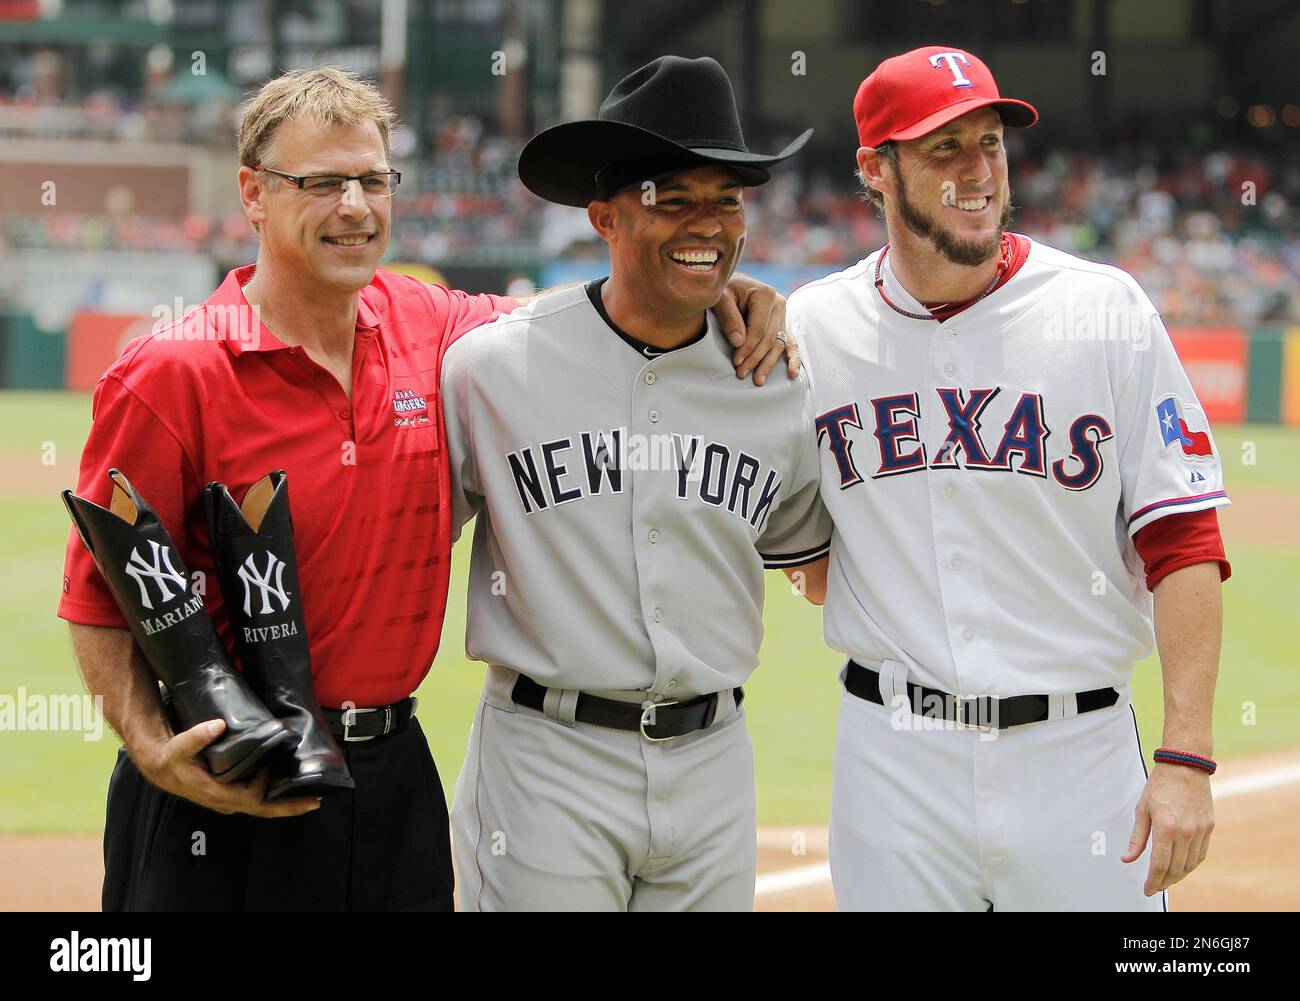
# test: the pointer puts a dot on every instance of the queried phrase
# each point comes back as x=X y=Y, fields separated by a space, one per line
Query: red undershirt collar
x=1015 y=250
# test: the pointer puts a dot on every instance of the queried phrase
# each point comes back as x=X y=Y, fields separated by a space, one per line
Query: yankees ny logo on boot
x=138 y=570
x=257 y=567
x=252 y=579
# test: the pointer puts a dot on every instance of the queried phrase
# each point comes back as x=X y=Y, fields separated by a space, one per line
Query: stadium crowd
x=1214 y=237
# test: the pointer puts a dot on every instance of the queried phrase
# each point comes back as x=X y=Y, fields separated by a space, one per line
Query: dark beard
x=968 y=253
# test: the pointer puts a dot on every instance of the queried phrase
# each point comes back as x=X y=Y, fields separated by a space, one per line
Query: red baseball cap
x=909 y=95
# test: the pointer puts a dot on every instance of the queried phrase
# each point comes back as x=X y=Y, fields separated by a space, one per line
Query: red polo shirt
x=216 y=396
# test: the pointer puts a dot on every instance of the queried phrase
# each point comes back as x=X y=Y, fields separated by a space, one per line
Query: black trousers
x=384 y=846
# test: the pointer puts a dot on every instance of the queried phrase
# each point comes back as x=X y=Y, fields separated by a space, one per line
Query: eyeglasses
x=378 y=184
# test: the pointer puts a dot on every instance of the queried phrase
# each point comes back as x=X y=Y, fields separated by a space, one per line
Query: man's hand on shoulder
x=753 y=317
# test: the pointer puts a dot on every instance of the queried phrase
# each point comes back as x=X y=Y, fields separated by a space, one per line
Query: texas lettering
x=893 y=425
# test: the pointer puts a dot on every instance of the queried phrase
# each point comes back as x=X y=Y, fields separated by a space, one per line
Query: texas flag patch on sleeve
x=1172 y=416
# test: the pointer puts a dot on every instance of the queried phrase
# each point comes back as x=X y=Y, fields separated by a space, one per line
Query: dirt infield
x=1263 y=516
x=27 y=476
x=1254 y=864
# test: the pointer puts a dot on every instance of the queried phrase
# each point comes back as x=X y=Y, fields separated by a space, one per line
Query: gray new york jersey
x=626 y=505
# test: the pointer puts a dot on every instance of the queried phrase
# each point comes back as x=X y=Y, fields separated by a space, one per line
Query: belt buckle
x=647 y=711
x=959 y=711
x=350 y=720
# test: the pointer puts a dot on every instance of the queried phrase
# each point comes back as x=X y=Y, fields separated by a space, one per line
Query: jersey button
x=650 y=378
x=654 y=416
x=672 y=683
x=967 y=635
x=955 y=563
x=653 y=536
x=345 y=414
x=949 y=489
x=659 y=615
x=950 y=369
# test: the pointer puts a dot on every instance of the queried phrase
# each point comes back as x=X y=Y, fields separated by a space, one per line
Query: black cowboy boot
x=257 y=566
x=149 y=582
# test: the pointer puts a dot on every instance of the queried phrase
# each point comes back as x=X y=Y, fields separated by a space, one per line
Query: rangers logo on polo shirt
x=411 y=408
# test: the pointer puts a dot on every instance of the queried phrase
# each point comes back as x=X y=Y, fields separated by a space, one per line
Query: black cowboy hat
x=672 y=114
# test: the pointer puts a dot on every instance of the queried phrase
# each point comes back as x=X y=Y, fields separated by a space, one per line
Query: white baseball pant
x=1033 y=818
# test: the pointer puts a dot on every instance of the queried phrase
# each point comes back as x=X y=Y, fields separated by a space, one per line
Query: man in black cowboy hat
x=630 y=492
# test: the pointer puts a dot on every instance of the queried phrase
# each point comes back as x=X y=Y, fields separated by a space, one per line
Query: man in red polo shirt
x=343 y=397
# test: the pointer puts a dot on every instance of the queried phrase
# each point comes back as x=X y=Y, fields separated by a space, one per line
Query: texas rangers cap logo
x=951 y=59
x=1172 y=417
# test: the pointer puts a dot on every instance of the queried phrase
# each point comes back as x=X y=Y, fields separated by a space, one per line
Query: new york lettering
x=552 y=473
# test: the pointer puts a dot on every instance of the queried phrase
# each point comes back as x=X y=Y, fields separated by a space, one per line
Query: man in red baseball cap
x=1023 y=487
x=938 y=99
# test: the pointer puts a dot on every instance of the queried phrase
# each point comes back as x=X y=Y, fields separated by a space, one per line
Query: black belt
x=662 y=721
x=352 y=725
x=984 y=712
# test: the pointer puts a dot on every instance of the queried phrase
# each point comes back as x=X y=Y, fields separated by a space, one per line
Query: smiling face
x=681 y=249
x=329 y=242
x=950 y=187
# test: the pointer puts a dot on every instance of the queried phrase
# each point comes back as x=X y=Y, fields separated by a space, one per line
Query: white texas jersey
x=623 y=500
x=986 y=474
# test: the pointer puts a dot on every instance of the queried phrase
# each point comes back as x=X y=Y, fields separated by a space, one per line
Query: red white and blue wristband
x=1168 y=756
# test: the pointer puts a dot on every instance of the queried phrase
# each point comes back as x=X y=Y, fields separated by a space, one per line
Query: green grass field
x=57 y=781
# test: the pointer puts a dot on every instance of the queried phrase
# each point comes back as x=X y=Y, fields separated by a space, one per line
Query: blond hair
x=327 y=95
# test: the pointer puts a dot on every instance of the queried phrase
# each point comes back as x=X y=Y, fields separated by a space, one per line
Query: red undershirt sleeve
x=1181 y=540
